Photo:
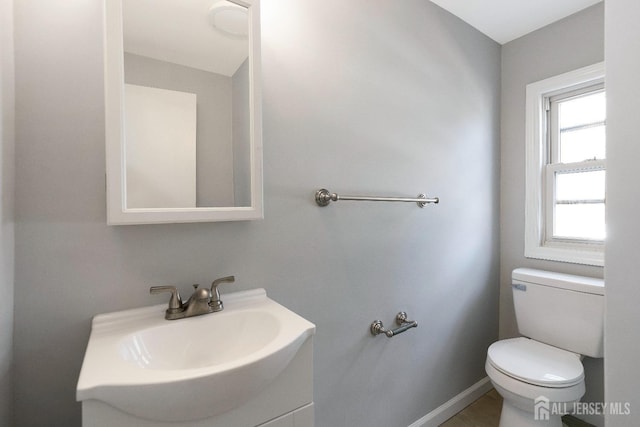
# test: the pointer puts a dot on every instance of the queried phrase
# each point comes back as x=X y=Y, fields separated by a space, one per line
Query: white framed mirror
x=183 y=111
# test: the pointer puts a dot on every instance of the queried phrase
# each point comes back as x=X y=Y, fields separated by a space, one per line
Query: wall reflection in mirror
x=186 y=104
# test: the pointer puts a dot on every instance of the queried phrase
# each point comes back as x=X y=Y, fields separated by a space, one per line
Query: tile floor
x=485 y=412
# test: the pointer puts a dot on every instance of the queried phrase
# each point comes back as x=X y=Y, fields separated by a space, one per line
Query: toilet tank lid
x=571 y=282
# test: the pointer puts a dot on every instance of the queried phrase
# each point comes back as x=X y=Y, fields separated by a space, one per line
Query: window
x=565 y=167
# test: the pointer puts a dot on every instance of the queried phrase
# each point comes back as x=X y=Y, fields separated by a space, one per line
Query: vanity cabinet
x=302 y=417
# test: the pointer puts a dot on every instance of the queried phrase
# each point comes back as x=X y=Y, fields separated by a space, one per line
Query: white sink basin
x=189 y=369
x=201 y=344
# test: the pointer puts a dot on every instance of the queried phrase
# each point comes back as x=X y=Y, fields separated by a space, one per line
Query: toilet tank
x=561 y=310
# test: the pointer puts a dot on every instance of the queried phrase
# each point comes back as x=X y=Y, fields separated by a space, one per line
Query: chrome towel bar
x=377 y=327
x=324 y=197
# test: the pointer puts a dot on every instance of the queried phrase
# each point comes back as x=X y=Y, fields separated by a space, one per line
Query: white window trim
x=535 y=161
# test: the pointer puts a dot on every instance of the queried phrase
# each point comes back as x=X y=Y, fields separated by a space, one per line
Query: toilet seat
x=536 y=363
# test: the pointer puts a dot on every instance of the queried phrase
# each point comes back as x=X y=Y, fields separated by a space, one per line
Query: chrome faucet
x=202 y=301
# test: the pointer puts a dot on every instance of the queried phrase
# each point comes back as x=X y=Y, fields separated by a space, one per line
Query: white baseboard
x=448 y=409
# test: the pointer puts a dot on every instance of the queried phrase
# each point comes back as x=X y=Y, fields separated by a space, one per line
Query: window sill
x=567 y=253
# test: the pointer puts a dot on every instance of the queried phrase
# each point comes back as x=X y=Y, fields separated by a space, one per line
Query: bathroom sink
x=199 y=345
x=194 y=368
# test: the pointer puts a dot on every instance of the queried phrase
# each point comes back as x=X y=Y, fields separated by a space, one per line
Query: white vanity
x=248 y=365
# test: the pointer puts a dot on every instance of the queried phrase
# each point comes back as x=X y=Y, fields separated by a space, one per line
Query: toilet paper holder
x=377 y=327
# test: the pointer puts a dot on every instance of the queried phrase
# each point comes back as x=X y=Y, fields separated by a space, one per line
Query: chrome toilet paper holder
x=377 y=327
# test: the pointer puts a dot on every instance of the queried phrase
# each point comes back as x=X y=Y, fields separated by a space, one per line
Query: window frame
x=538 y=170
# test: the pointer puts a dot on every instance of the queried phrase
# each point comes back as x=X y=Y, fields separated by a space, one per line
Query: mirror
x=183 y=113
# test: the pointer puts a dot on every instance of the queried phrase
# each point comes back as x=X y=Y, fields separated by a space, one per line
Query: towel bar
x=324 y=197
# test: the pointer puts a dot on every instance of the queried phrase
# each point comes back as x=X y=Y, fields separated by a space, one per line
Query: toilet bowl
x=527 y=373
x=540 y=376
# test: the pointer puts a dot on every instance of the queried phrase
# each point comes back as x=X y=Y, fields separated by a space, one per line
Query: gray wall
x=7 y=138
x=241 y=136
x=214 y=149
x=360 y=97
x=566 y=45
x=622 y=344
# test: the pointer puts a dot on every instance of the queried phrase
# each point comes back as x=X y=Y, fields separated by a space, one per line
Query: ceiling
x=184 y=35
x=506 y=20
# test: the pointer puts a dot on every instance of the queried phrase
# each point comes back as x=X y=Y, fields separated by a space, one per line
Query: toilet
x=540 y=375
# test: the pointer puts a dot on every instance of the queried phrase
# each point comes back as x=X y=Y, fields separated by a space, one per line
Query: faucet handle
x=215 y=283
x=216 y=303
x=175 y=303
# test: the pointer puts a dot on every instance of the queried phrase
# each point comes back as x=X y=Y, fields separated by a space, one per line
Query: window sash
x=550 y=200
x=553 y=116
